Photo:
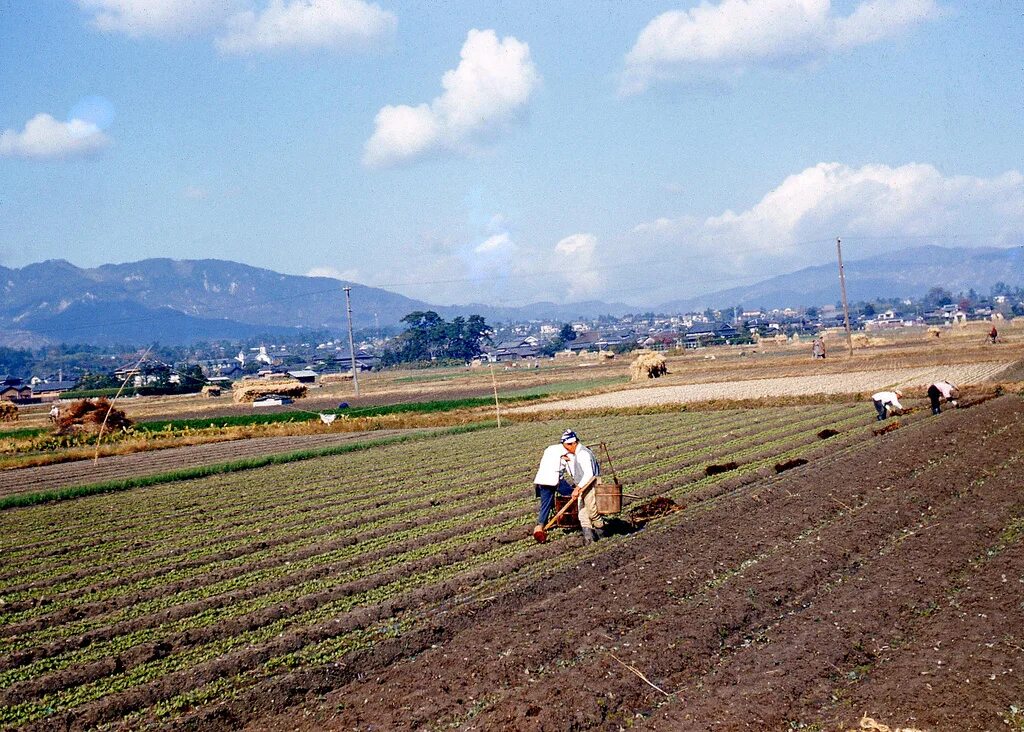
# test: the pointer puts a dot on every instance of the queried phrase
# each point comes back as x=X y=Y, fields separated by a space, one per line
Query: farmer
x=942 y=390
x=584 y=469
x=550 y=480
x=818 y=348
x=55 y=412
x=887 y=402
x=993 y=335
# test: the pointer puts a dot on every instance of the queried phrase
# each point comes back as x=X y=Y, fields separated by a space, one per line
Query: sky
x=509 y=152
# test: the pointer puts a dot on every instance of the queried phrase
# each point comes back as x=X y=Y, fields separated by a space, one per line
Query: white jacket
x=887 y=397
x=551 y=463
x=945 y=388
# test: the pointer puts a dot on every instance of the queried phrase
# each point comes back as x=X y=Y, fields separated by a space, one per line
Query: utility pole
x=842 y=288
x=351 y=343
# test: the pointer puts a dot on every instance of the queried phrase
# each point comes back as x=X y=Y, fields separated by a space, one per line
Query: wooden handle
x=554 y=519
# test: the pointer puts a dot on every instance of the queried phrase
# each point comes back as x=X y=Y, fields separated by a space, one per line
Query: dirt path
x=886 y=581
x=152 y=462
x=849 y=383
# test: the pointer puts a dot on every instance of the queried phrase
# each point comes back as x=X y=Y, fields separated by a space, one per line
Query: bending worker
x=554 y=463
x=584 y=469
x=942 y=390
x=887 y=402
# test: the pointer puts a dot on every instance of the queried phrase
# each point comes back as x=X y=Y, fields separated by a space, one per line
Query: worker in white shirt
x=584 y=469
x=887 y=402
x=554 y=463
x=942 y=390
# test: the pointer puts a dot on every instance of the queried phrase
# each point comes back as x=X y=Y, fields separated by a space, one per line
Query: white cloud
x=874 y=206
x=158 y=17
x=339 y=24
x=195 y=193
x=734 y=35
x=575 y=257
x=494 y=243
x=46 y=138
x=489 y=87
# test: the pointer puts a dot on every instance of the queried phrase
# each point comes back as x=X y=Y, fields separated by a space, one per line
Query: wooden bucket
x=609 y=497
x=571 y=518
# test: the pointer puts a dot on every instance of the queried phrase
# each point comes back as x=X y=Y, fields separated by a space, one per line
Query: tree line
x=429 y=337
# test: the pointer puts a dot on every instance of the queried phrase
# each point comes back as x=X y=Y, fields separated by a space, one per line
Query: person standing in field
x=993 y=334
x=942 y=390
x=550 y=479
x=584 y=469
x=818 y=348
x=886 y=403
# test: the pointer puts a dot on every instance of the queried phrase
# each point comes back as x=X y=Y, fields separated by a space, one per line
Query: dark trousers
x=880 y=406
x=546 y=494
x=933 y=397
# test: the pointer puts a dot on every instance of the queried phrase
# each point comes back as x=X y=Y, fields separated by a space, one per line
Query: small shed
x=304 y=376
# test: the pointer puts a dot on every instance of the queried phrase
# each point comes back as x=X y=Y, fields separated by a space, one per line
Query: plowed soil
x=886 y=581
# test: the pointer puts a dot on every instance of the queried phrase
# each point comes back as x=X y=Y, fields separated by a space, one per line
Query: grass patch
x=22 y=433
x=203 y=471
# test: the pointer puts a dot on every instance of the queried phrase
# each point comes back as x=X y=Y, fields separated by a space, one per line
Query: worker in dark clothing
x=942 y=390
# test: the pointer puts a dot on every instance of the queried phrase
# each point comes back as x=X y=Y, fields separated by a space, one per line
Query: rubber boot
x=600 y=532
x=588 y=536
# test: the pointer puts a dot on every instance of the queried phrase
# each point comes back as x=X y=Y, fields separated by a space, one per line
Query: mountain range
x=181 y=301
x=902 y=273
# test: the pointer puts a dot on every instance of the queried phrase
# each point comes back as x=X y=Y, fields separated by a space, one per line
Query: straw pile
x=328 y=379
x=8 y=412
x=211 y=390
x=90 y=415
x=250 y=391
x=648 y=365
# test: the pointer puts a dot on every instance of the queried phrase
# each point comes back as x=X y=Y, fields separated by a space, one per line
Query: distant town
x=73 y=371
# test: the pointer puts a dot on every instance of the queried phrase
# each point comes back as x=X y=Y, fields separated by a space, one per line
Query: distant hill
x=182 y=301
x=904 y=273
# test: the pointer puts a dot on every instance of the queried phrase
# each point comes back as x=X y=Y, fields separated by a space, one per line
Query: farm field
x=396 y=587
x=81 y=472
x=850 y=382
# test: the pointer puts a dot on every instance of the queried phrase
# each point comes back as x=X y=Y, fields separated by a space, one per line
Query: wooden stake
x=96 y=455
x=494 y=383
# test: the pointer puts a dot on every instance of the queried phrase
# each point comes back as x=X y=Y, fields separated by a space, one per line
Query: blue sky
x=509 y=151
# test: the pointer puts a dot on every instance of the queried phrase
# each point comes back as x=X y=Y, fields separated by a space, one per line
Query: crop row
x=151 y=580
x=327 y=482
x=98 y=593
x=278 y=565
x=300 y=596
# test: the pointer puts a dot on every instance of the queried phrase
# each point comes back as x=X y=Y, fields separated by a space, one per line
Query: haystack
x=211 y=390
x=250 y=391
x=90 y=415
x=8 y=412
x=647 y=365
x=340 y=378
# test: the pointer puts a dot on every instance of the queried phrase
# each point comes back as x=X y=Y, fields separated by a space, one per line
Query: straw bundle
x=648 y=365
x=250 y=391
x=8 y=412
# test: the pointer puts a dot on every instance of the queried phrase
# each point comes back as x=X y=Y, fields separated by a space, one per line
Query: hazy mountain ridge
x=178 y=301
x=175 y=301
x=904 y=273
